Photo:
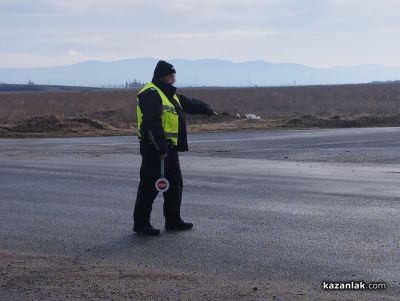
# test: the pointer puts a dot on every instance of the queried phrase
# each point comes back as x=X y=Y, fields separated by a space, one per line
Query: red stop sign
x=162 y=185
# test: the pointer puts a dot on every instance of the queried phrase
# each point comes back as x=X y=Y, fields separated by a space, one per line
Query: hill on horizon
x=205 y=72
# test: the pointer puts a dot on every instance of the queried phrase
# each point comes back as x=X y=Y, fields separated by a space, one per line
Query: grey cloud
x=276 y=30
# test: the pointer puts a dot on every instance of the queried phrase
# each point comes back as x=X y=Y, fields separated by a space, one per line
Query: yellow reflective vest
x=169 y=115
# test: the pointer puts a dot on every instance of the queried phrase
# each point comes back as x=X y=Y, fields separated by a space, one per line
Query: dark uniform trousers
x=147 y=192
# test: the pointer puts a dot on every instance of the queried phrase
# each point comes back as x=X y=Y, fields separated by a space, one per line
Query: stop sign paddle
x=162 y=183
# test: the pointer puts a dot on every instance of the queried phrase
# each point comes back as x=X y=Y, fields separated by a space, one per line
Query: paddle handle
x=162 y=169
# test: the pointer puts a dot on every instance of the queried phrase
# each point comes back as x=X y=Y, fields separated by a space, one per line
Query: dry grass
x=116 y=107
x=323 y=101
x=119 y=105
x=279 y=107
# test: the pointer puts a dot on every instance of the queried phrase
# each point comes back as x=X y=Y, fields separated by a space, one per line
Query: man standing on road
x=162 y=134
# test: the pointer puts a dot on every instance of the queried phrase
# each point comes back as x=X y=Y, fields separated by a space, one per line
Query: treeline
x=134 y=84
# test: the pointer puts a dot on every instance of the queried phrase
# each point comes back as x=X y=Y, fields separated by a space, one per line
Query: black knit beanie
x=163 y=68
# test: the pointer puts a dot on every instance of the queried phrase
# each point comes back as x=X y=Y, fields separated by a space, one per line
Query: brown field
x=279 y=107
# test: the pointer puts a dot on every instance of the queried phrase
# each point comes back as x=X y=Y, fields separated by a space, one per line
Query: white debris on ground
x=252 y=116
x=237 y=115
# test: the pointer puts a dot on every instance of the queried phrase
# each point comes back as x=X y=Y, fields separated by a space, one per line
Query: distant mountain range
x=206 y=72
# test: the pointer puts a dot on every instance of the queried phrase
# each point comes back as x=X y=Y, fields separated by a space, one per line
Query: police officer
x=162 y=134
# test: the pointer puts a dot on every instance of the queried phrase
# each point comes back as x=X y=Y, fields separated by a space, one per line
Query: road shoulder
x=42 y=277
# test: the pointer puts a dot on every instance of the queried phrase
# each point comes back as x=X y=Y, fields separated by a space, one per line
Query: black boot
x=146 y=229
x=178 y=226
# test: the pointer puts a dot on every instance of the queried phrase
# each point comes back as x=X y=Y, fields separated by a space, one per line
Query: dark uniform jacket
x=153 y=139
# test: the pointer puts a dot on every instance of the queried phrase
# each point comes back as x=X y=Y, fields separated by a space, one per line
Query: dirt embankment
x=52 y=126
x=302 y=122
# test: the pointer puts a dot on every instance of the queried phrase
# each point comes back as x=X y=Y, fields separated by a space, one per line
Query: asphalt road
x=284 y=205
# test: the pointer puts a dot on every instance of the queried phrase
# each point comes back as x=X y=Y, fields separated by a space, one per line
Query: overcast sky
x=312 y=32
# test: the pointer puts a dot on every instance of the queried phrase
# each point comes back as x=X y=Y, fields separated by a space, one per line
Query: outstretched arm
x=195 y=106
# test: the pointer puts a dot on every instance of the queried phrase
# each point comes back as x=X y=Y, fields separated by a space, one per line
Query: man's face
x=169 y=79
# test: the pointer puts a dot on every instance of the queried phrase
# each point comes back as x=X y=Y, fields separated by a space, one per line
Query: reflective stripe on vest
x=169 y=115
